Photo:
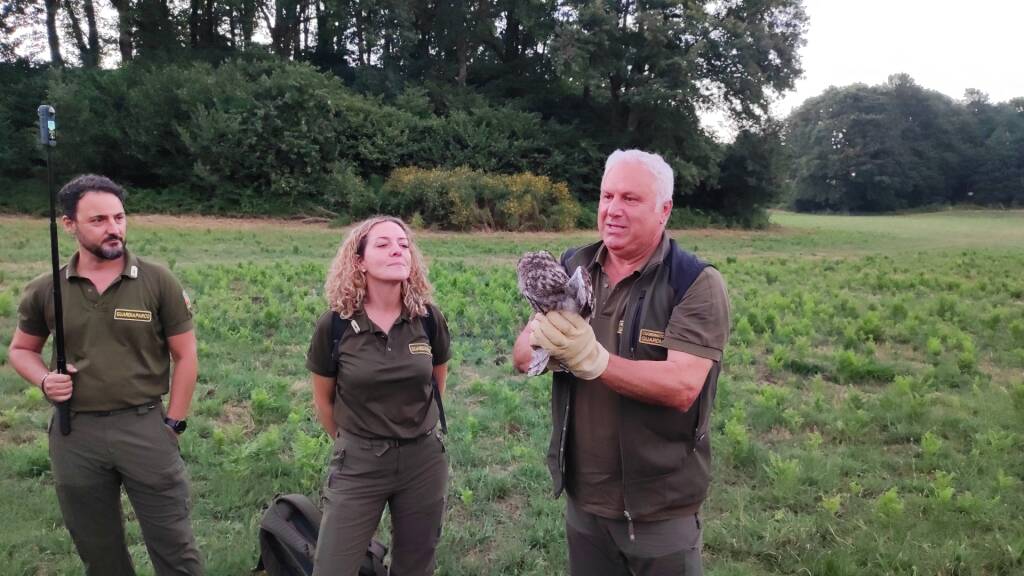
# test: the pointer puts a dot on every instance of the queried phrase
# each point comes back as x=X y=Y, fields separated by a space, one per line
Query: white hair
x=663 y=178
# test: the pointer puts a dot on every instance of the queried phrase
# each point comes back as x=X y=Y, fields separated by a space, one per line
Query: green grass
x=869 y=419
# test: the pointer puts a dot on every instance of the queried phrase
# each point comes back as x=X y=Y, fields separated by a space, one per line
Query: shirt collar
x=657 y=257
x=360 y=320
x=130 y=270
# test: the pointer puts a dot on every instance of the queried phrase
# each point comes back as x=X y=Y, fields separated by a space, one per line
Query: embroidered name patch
x=652 y=337
x=419 y=348
x=133 y=315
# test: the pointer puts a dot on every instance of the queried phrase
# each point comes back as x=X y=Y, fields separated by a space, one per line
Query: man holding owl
x=634 y=379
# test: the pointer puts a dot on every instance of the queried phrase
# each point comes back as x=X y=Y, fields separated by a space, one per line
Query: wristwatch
x=177 y=425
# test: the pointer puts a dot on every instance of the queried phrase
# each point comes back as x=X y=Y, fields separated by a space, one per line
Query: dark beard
x=104 y=253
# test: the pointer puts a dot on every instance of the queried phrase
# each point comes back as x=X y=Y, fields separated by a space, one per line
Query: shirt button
x=389 y=348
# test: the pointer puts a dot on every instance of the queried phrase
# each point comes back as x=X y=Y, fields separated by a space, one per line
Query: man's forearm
x=183 y=385
x=663 y=383
x=29 y=365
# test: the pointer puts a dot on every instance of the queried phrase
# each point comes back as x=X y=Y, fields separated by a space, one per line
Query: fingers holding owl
x=570 y=339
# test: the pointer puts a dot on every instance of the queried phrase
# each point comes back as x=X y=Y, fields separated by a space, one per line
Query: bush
x=464 y=199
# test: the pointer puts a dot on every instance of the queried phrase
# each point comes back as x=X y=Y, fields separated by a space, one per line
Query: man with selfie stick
x=124 y=320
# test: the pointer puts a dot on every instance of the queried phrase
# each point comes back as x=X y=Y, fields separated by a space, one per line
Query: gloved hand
x=570 y=339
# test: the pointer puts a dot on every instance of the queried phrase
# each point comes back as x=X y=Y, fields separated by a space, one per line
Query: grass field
x=869 y=418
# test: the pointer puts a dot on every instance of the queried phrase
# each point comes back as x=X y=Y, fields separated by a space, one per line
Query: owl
x=544 y=283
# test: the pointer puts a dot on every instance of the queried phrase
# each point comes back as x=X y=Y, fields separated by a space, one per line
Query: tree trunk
x=360 y=38
x=193 y=23
x=124 y=29
x=51 y=32
x=512 y=40
x=93 y=61
x=461 y=49
x=76 y=31
x=209 y=25
x=615 y=92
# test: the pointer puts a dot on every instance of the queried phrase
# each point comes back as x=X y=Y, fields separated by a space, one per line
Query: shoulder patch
x=188 y=302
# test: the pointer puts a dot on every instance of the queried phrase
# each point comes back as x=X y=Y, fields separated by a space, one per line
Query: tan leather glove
x=570 y=339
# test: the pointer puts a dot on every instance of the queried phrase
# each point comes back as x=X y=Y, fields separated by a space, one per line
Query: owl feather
x=546 y=286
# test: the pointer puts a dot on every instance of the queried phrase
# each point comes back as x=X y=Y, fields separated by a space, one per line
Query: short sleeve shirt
x=117 y=340
x=382 y=380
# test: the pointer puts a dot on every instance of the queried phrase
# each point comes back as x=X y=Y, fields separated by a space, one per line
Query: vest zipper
x=634 y=336
x=697 y=435
x=635 y=331
x=565 y=434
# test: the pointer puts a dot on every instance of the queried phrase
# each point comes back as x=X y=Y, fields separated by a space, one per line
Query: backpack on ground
x=288 y=534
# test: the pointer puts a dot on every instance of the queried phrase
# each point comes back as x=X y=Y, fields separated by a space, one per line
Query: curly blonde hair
x=345 y=287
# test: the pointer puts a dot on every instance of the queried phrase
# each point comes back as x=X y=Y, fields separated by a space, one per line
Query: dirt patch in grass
x=511 y=507
x=236 y=414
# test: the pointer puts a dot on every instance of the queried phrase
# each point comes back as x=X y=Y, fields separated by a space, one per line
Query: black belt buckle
x=396 y=442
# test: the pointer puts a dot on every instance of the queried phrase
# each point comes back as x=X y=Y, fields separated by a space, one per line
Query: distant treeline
x=897 y=146
x=260 y=135
x=290 y=106
x=268 y=105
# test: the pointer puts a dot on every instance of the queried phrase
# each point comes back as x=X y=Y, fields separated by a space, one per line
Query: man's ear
x=69 y=224
x=666 y=211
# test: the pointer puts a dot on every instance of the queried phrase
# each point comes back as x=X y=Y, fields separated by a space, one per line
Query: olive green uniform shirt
x=382 y=380
x=118 y=339
x=595 y=478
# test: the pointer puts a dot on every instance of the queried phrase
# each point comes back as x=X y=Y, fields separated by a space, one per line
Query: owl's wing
x=581 y=291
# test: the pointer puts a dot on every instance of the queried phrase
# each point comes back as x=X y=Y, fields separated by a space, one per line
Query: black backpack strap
x=338 y=328
x=430 y=327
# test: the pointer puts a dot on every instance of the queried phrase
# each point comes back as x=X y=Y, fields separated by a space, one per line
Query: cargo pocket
x=337 y=461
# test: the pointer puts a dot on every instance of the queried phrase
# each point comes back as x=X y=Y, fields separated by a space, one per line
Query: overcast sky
x=944 y=45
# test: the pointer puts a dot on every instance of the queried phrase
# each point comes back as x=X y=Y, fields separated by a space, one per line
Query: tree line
x=542 y=86
x=268 y=105
x=897 y=146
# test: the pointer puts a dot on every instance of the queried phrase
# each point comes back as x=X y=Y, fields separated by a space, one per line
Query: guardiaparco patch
x=133 y=315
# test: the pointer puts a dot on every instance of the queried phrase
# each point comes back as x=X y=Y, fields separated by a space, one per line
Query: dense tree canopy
x=545 y=86
x=897 y=145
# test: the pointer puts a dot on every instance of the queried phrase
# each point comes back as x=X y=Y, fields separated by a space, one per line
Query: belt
x=392 y=442
x=139 y=409
x=396 y=442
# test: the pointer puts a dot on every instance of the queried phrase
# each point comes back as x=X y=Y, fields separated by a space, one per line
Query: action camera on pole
x=48 y=139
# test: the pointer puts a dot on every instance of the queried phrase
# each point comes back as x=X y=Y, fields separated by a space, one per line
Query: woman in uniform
x=379 y=357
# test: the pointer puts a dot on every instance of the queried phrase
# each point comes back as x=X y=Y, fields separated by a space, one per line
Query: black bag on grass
x=288 y=534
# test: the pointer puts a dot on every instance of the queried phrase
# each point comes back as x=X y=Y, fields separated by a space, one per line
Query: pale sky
x=944 y=45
